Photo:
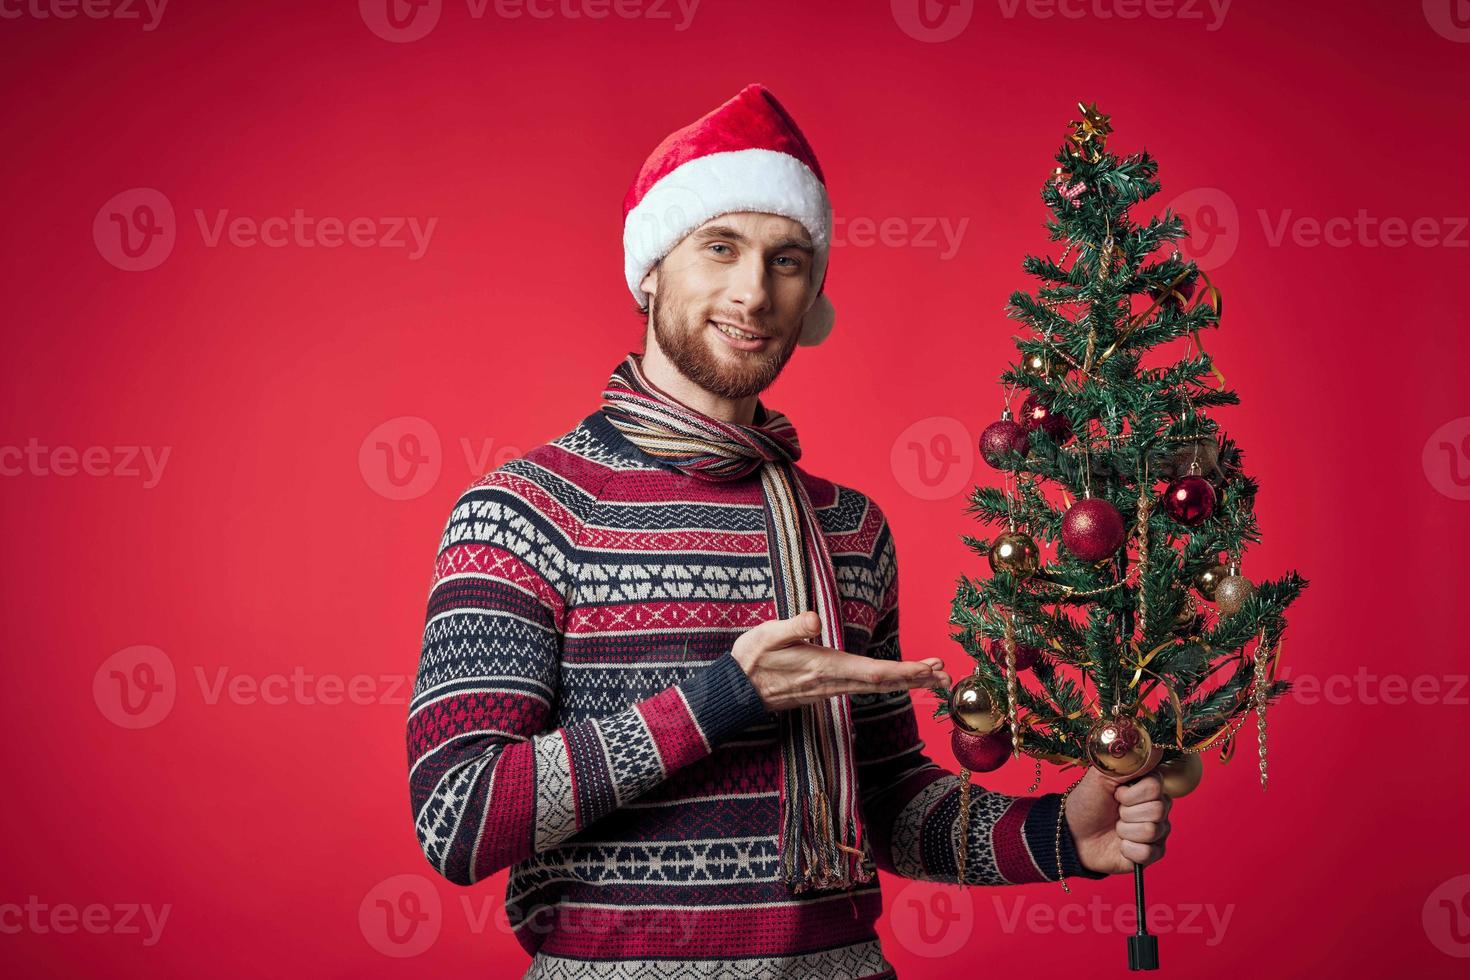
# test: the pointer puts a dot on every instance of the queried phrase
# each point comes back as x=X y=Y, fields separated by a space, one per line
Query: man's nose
x=748 y=286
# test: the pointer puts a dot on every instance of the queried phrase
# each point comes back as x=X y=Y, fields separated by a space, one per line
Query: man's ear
x=650 y=281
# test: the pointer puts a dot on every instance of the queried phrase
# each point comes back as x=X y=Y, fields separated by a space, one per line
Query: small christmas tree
x=1105 y=655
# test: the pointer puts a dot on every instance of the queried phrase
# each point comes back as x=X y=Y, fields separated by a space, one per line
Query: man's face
x=743 y=272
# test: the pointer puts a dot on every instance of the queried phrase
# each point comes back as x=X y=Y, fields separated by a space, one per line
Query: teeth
x=738 y=334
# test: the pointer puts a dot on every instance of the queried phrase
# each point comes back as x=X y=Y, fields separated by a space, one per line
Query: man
x=660 y=677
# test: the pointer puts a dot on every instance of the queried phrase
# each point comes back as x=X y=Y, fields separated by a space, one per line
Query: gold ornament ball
x=1184 y=619
x=1205 y=452
x=1042 y=366
x=1207 y=581
x=1016 y=553
x=1181 y=774
x=972 y=707
x=1231 y=594
x=1119 y=746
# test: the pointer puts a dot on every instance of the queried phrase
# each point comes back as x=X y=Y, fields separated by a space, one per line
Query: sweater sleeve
x=911 y=806
x=491 y=782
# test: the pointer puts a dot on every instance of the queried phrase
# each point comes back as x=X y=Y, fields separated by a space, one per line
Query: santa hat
x=746 y=155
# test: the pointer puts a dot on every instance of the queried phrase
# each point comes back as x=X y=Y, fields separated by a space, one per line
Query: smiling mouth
x=732 y=331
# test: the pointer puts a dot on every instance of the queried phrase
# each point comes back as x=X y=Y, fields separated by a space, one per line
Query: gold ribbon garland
x=1210 y=292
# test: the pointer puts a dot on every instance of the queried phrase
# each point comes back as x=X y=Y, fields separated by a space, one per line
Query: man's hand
x=1117 y=825
x=788 y=671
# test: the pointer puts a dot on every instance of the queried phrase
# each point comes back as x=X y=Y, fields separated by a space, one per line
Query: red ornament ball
x=1035 y=415
x=981 y=753
x=1171 y=297
x=1002 y=438
x=1092 y=529
x=1190 y=500
x=1025 y=656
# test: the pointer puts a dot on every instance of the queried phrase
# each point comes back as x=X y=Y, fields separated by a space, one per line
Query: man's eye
x=719 y=245
x=795 y=263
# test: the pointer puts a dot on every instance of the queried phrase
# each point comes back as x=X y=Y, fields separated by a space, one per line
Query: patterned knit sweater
x=578 y=717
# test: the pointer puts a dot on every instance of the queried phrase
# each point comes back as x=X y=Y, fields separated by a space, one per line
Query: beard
x=683 y=336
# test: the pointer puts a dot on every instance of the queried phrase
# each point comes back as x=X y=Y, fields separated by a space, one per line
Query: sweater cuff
x=723 y=699
x=1041 y=837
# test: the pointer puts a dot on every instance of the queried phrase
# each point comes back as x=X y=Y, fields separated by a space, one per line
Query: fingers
x=1139 y=812
x=1143 y=791
x=854 y=674
x=1144 y=831
x=1143 y=820
x=1141 y=854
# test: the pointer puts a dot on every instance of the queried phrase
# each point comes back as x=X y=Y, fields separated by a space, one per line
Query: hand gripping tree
x=1105 y=654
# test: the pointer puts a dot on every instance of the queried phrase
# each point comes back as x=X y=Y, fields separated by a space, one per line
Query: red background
x=266 y=545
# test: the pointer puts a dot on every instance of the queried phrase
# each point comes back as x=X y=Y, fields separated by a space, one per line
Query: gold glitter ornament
x=1232 y=592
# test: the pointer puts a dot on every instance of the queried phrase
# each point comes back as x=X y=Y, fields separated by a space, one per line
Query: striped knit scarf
x=820 y=841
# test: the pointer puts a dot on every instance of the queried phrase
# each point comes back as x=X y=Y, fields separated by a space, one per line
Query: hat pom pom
x=817 y=323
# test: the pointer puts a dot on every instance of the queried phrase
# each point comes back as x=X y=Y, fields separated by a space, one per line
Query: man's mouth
x=738 y=338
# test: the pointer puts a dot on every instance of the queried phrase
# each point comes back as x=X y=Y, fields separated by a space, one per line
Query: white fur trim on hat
x=692 y=193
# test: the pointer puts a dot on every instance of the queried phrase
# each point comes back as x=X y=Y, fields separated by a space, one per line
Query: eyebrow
x=725 y=231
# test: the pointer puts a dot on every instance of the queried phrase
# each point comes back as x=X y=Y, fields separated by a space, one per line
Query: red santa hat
x=746 y=155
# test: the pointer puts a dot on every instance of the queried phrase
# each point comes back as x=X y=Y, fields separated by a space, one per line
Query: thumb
x=802 y=626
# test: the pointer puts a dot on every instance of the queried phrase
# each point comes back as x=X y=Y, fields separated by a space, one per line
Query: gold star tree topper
x=1090 y=132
